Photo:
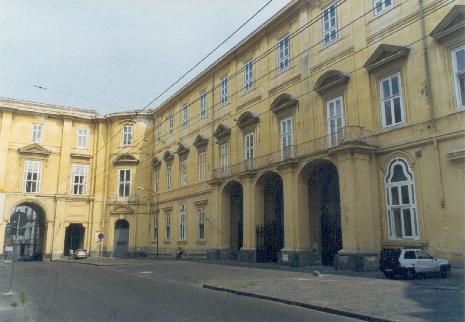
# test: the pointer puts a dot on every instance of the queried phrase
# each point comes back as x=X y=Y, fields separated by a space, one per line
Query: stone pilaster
x=4 y=142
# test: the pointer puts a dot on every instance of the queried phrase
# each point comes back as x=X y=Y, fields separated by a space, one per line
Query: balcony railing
x=346 y=135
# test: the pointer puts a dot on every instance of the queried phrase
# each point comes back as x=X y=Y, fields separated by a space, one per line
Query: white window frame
x=249 y=146
x=202 y=163
x=37 y=133
x=399 y=189
x=329 y=24
x=224 y=157
x=284 y=52
x=183 y=170
x=201 y=221
x=124 y=183
x=380 y=6
x=460 y=100
x=336 y=118
x=167 y=227
x=157 y=180
x=158 y=132
x=128 y=133
x=169 y=176
x=391 y=99
x=224 y=91
x=79 y=179
x=203 y=105
x=82 y=138
x=248 y=75
x=185 y=116
x=182 y=222
x=286 y=137
x=170 y=124
x=32 y=175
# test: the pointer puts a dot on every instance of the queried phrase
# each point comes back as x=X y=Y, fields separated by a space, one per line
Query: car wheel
x=410 y=274
x=444 y=272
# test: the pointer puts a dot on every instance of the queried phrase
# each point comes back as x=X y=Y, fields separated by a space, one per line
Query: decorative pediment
x=385 y=54
x=457 y=154
x=200 y=141
x=182 y=150
x=168 y=156
x=156 y=162
x=121 y=209
x=331 y=79
x=452 y=24
x=125 y=159
x=222 y=131
x=247 y=118
x=34 y=149
x=282 y=102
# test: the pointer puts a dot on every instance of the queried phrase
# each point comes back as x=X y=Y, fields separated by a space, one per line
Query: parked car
x=410 y=262
x=80 y=253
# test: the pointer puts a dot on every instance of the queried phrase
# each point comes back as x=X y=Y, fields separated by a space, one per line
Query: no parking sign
x=99 y=236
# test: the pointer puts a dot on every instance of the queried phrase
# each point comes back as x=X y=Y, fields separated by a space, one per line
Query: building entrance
x=121 y=241
x=74 y=238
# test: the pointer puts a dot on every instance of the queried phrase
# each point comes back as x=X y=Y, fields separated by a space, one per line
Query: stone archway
x=270 y=207
x=232 y=216
x=319 y=197
x=25 y=233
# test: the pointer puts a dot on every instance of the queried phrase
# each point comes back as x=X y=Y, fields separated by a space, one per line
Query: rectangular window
x=249 y=146
x=224 y=157
x=36 y=133
x=124 y=183
x=170 y=124
x=183 y=170
x=157 y=180
x=185 y=117
x=458 y=62
x=391 y=100
x=167 y=227
x=248 y=75
x=335 y=115
x=203 y=105
x=201 y=215
x=202 y=161
x=155 y=227
x=329 y=24
x=381 y=5
x=182 y=223
x=158 y=132
x=79 y=178
x=283 y=53
x=224 y=91
x=127 y=135
x=169 y=168
x=82 y=135
x=286 y=138
x=32 y=174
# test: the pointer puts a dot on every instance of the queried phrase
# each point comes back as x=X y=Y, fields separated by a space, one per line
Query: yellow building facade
x=335 y=129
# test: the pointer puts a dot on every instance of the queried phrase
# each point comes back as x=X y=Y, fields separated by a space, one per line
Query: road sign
x=99 y=236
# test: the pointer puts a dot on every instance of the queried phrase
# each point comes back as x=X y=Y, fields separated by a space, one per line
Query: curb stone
x=322 y=308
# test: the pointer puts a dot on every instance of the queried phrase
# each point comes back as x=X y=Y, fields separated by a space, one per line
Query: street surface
x=139 y=292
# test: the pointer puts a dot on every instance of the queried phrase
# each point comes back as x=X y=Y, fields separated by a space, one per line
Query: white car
x=80 y=253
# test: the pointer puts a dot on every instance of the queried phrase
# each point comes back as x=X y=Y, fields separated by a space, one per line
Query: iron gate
x=270 y=241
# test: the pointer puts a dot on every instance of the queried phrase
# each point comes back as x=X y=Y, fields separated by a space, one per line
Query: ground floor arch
x=74 y=238
x=232 y=216
x=269 y=205
x=25 y=233
x=320 y=201
x=121 y=238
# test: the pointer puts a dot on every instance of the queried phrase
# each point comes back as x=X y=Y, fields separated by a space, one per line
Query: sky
x=118 y=54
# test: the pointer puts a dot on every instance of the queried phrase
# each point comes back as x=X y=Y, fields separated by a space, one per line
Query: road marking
x=146 y=272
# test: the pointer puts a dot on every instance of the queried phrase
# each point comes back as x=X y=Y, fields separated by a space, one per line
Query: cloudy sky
x=120 y=54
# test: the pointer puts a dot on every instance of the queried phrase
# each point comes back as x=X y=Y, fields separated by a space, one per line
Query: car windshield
x=421 y=254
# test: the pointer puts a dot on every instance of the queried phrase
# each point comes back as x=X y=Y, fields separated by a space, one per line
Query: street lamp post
x=156 y=194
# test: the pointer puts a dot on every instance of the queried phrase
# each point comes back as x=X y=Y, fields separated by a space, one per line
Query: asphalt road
x=73 y=292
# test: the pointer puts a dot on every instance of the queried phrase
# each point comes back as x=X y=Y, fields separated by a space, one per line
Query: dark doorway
x=270 y=235
x=74 y=238
x=232 y=211
x=25 y=233
x=121 y=241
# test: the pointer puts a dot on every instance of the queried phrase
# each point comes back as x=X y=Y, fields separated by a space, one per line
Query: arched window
x=401 y=201
x=182 y=222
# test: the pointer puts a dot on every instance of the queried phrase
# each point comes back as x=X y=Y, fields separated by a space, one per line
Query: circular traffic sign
x=100 y=236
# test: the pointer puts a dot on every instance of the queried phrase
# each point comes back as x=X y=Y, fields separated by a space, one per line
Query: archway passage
x=74 y=238
x=233 y=208
x=121 y=241
x=25 y=233
x=324 y=209
x=270 y=235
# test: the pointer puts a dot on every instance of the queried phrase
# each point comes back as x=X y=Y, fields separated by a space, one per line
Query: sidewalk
x=11 y=306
